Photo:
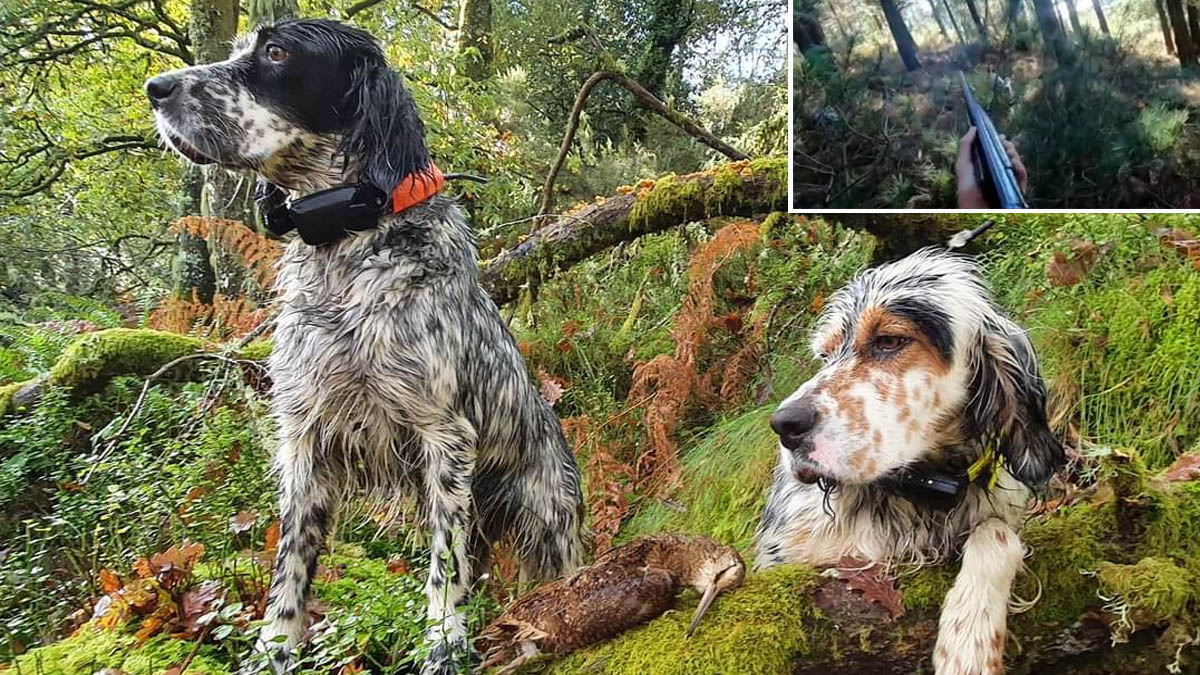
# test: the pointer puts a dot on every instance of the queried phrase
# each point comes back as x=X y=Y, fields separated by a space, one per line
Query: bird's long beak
x=706 y=601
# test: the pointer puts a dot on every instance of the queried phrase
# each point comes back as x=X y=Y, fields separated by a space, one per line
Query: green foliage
x=92 y=650
x=1122 y=340
x=725 y=476
x=78 y=498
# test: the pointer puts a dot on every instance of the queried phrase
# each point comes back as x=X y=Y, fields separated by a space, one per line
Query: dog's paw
x=267 y=659
x=451 y=658
x=952 y=657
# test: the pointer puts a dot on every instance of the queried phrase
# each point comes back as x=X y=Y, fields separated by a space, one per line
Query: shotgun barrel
x=993 y=168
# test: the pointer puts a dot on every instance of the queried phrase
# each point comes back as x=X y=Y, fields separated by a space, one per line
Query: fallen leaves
x=550 y=387
x=242 y=522
x=873 y=582
x=1068 y=269
x=1186 y=243
x=1185 y=468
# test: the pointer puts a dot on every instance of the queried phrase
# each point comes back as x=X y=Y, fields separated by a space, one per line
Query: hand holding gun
x=996 y=170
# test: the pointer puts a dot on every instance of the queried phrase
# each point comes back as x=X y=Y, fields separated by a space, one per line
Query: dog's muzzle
x=794 y=423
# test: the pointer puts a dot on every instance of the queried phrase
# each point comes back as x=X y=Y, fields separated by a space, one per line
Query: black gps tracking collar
x=329 y=215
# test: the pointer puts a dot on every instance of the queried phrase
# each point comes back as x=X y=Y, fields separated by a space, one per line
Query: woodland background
x=662 y=305
x=1101 y=98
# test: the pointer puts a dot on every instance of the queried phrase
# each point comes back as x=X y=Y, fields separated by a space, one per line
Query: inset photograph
x=995 y=104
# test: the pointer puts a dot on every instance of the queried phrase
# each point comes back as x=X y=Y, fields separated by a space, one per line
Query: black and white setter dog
x=921 y=439
x=392 y=369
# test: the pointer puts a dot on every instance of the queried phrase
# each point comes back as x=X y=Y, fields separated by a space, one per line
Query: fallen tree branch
x=650 y=102
x=741 y=189
x=95 y=358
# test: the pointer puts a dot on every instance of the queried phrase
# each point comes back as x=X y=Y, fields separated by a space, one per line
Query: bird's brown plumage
x=627 y=586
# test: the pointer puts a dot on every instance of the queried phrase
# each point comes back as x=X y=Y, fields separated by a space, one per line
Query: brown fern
x=669 y=382
x=258 y=253
x=224 y=319
x=609 y=479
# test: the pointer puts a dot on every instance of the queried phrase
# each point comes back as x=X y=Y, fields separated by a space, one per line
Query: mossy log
x=95 y=358
x=750 y=188
x=1115 y=570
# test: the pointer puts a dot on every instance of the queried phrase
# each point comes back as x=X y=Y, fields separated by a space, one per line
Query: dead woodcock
x=627 y=586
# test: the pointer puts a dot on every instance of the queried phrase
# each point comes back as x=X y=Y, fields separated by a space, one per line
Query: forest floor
x=1105 y=127
x=138 y=538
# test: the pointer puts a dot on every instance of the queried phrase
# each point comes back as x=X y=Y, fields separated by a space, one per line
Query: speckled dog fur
x=393 y=371
x=919 y=368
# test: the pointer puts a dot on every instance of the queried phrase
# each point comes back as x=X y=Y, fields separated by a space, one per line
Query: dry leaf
x=551 y=388
x=242 y=522
x=1186 y=468
x=197 y=603
x=397 y=564
x=110 y=582
x=875 y=584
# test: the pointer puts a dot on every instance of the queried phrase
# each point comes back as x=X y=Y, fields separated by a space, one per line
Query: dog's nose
x=793 y=422
x=160 y=88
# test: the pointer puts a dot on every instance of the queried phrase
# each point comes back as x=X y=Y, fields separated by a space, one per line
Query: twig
x=222 y=356
x=649 y=101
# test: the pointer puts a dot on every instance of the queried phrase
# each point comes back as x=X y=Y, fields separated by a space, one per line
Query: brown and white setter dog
x=921 y=439
x=392 y=370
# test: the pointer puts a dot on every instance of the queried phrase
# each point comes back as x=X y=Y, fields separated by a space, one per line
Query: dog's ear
x=385 y=135
x=1007 y=405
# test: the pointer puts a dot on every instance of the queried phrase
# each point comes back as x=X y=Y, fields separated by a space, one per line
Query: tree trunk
x=270 y=11
x=1193 y=16
x=837 y=18
x=937 y=16
x=1185 y=48
x=669 y=21
x=1165 y=25
x=904 y=40
x=1073 y=13
x=758 y=187
x=475 y=38
x=211 y=190
x=974 y=11
x=954 y=22
x=807 y=33
x=1051 y=28
x=1100 y=17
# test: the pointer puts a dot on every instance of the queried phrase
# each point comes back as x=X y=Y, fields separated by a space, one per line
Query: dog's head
x=917 y=360
x=305 y=103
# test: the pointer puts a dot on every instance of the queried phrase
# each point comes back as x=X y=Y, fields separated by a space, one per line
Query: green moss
x=258 y=350
x=95 y=358
x=727 y=182
x=1155 y=588
x=668 y=195
x=90 y=650
x=758 y=629
x=7 y=392
x=926 y=588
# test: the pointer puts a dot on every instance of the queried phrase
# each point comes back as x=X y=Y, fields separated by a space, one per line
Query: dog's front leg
x=971 y=631
x=307 y=503
x=449 y=451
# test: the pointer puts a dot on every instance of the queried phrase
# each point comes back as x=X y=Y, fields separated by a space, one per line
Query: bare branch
x=650 y=102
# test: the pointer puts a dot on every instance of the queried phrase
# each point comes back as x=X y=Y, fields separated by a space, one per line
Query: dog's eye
x=276 y=53
x=889 y=343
